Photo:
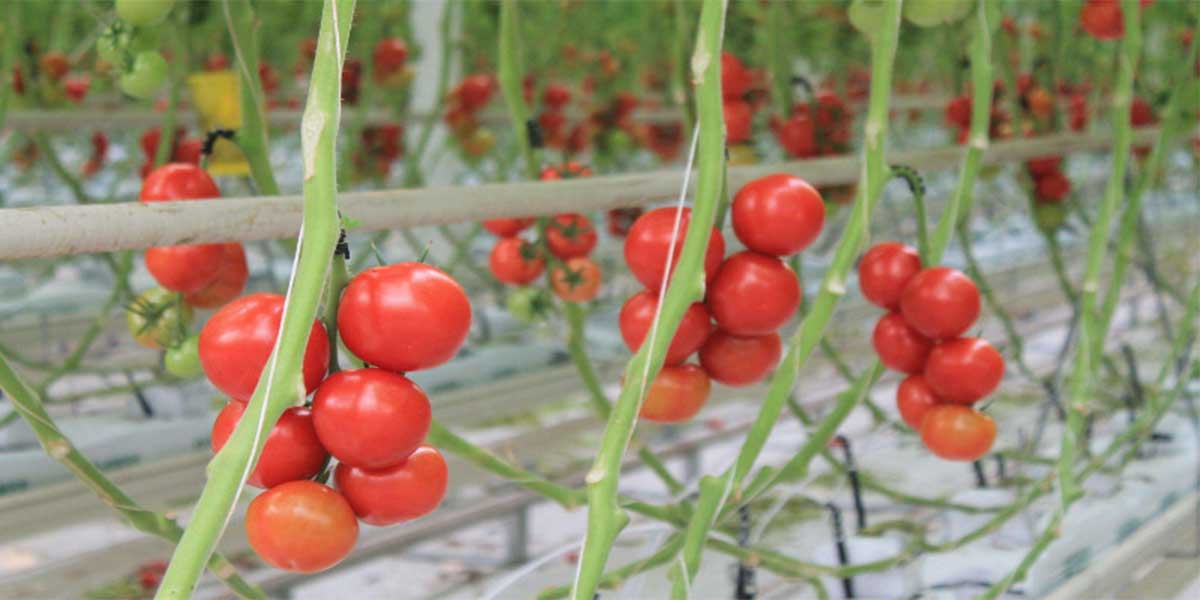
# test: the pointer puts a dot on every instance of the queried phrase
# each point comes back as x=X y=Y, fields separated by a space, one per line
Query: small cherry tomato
x=777 y=214
x=158 y=319
x=301 y=526
x=404 y=317
x=577 y=280
x=914 y=398
x=884 y=271
x=649 y=241
x=1044 y=165
x=237 y=340
x=183 y=359
x=185 y=269
x=228 y=283
x=735 y=78
x=739 y=361
x=145 y=76
x=957 y=432
x=76 y=87
x=899 y=346
x=797 y=136
x=291 y=452
x=505 y=227
x=556 y=96
x=1102 y=19
x=143 y=12
x=395 y=494
x=940 y=303
x=637 y=315
x=178 y=181
x=964 y=370
x=570 y=235
x=676 y=395
x=389 y=55
x=55 y=65
x=474 y=91
x=370 y=418
x=1052 y=187
x=515 y=262
x=739 y=118
x=753 y=294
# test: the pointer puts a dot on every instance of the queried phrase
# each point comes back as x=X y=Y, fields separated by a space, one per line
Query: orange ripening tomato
x=577 y=280
x=957 y=432
x=676 y=395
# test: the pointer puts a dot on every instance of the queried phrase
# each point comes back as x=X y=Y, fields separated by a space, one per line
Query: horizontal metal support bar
x=62 y=230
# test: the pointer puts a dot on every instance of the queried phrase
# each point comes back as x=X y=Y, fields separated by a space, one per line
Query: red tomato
x=556 y=96
x=301 y=526
x=956 y=432
x=940 y=303
x=1044 y=165
x=676 y=395
x=185 y=269
x=76 y=87
x=577 y=280
x=735 y=79
x=884 y=271
x=390 y=54
x=55 y=65
x=797 y=136
x=395 y=494
x=178 y=181
x=753 y=294
x=404 y=317
x=216 y=62
x=899 y=346
x=570 y=235
x=370 y=418
x=292 y=450
x=474 y=91
x=914 y=398
x=1041 y=102
x=1102 y=19
x=738 y=120
x=515 y=262
x=188 y=151
x=1052 y=187
x=964 y=370
x=506 y=227
x=958 y=111
x=1141 y=113
x=638 y=314
x=228 y=283
x=777 y=214
x=740 y=360
x=236 y=343
x=649 y=241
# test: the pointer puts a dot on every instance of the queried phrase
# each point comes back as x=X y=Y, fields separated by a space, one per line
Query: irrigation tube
x=72 y=229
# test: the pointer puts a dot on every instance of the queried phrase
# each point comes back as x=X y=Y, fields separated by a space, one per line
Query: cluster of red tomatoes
x=464 y=102
x=737 y=82
x=569 y=239
x=396 y=319
x=958 y=116
x=749 y=296
x=389 y=60
x=381 y=146
x=53 y=78
x=183 y=149
x=929 y=310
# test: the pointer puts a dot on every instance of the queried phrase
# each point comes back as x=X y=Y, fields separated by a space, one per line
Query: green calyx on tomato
x=528 y=304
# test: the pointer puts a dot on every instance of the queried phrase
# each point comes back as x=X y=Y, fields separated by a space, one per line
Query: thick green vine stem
x=281 y=385
x=28 y=403
x=712 y=495
x=509 y=72
x=252 y=135
x=1091 y=329
x=605 y=517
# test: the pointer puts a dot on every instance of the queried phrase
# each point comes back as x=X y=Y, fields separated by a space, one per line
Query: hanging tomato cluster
x=929 y=310
x=373 y=420
x=381 y=146
x=750 y=294
x=736 y=84
x=464 y=102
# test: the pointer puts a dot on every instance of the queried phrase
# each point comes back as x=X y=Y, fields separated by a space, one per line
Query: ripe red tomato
x=1102 y=19
x=958 y=111
x=638 y=314
x=740 y=360
x=964 y=370
x=301 y=526
x=735 y=79
x=178 y=181
x=185 y=269
x=753 y=294
x=1040 y=102
x=797 y=135
x=1052 y=187
x=515 y=261
x=649 y=241
x=940 y=302
x=570 y=235
x=738 y=120
x=1044 y=165
x=370 y=418
x=777 y=214
x=228 y=283
x=676 y=395
x=292 y=450
x=506 y=227
x=957 y=432
x=577 y=280
x=188 y=151
x=216 y=62
x=76 y=87
x=398 y=493
x=404 y=317
x=556 y=96
x=236 y=343
x=899 y=346
x=54 y=64
x=914 y=398
x=390 y=54
x=884 y=271
x=474 y=91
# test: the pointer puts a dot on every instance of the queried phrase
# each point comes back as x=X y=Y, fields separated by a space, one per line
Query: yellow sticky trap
x=215 y=95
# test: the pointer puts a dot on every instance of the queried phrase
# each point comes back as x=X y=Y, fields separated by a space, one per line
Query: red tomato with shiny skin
x=637 y=314
x=738 y=119
x=649 y=241
x=1052 y=187
x=735 y=78
x=778 y=214
x=301 y=526
x=940 y=303
x=570 y=235
x=395 y=494
x=370 y=418
x=676 y=395
x=228 y=283
x=576 y=280
x=1102 y=19
x=899 y=346
x=753 y=294
x=516 y=262
x=404 y=317
x=884 y=271
x=964 y=370
x=292 y=450
x=914 y=398
x=797 y=135
x=957 y=432
x=739 y=361
x=185 y=269
x=237 y=340
x=178 y=181
x=506 y=227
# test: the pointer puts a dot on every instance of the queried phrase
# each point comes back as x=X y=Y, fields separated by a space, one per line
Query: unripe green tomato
x=157 y=318
x=619 y=141
x=866 y=16
x=525 y=304
x=145 y=76
x=931 y=13
x=183 y=360
x=108 y=46
x=1049 y=216
x=143 y=39
x=143 y=12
